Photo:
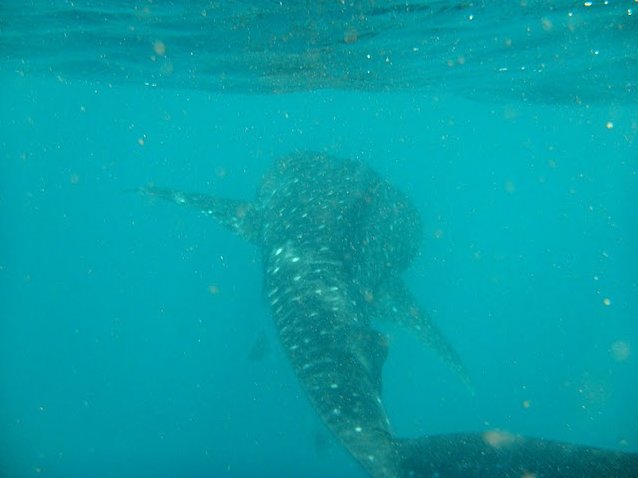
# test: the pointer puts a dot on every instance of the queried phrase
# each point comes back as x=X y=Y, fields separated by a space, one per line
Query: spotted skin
x=335 y=238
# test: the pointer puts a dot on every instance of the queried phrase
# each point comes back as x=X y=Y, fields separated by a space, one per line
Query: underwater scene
x=319 y=239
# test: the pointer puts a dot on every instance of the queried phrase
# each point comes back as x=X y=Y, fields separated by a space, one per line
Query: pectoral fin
x=238 y=216
x=395 y=303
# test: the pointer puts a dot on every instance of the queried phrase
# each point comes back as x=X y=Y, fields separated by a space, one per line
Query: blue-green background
x=117 y=360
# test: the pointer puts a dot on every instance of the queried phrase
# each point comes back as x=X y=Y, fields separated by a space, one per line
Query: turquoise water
x=128 y=326
x=548 y=51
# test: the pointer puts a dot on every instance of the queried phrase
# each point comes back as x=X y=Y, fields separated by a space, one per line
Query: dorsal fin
x=238 y=216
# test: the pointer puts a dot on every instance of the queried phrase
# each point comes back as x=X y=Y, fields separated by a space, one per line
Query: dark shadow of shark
x=335 y=238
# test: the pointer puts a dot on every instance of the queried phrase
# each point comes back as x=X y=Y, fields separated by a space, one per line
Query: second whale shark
x=335 y=238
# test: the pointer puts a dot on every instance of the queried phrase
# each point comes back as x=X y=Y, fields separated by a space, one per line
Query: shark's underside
x=335 y=238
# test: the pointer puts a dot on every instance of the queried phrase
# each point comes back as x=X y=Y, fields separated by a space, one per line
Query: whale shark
x=335 y=238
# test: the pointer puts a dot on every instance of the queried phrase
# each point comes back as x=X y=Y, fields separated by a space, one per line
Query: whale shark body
x=335 y=238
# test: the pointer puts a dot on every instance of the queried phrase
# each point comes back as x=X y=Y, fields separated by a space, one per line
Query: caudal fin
x=502 y=455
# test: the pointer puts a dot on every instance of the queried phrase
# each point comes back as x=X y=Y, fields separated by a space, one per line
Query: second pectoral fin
x=394 y=303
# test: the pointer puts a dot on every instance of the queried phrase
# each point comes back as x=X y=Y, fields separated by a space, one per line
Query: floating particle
x=221 y=172
x=368 y=295
x=159 y=48
x=620 y=350
x=547 y=24
x=498 y=438
x=350 y=36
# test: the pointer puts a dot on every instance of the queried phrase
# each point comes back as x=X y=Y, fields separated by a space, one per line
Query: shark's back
x=311 y=199
x=309 y=207
x=341 y=206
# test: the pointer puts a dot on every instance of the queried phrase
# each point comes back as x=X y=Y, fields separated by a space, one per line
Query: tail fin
x=238 y=216
x=502 y=455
